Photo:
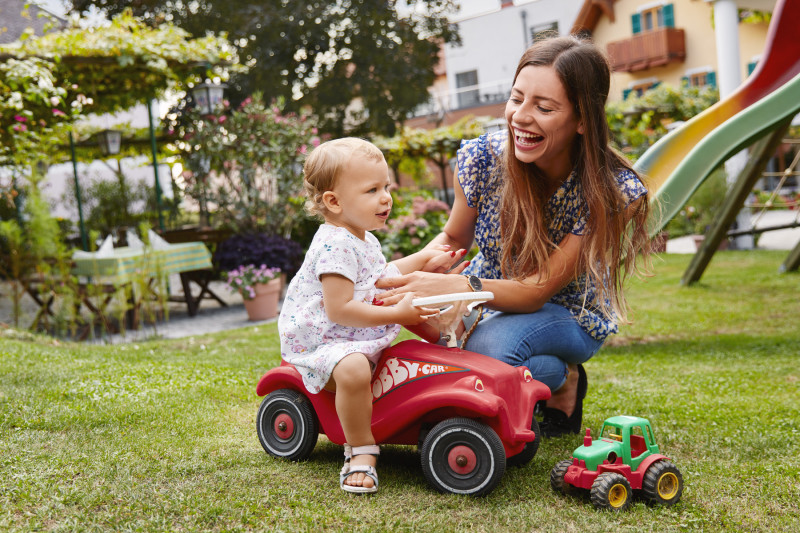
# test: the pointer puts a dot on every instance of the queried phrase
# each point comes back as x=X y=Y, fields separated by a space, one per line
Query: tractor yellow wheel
x=663 y=483
x=611 y=491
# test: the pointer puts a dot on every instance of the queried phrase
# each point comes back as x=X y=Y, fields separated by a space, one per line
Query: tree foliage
x=320 y=53
x=636 y=123
x=438 y=145
x=246 y=164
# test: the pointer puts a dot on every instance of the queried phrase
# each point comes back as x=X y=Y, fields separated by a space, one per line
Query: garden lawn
x=160 y=435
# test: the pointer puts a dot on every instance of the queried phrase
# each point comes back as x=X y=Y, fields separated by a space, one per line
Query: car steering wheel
x=451 y=308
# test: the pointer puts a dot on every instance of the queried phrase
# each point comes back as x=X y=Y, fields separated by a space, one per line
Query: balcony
x=466 y=97
x=647 y=50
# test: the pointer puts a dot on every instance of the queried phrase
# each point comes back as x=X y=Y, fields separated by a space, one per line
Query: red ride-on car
x=470 y=415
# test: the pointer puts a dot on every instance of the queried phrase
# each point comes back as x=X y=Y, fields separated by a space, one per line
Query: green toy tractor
x=624 y=458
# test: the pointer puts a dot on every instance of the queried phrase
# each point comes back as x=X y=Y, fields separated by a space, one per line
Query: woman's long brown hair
x=610 y=246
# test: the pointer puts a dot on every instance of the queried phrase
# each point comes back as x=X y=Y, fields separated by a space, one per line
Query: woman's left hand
x=421 y=284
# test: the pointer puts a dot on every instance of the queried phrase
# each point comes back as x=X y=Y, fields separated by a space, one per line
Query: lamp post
x=154 y=150
x=81 y=224
x=110 y=141
x=208 y=96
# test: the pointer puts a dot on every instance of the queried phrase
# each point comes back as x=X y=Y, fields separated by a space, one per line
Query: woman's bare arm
x=459 y=231
x=518 y=296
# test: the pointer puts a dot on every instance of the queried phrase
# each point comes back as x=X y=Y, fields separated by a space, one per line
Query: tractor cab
x=628 y=438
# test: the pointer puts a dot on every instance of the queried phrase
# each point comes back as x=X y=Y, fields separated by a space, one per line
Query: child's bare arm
x=435 y=259
x=337 y=297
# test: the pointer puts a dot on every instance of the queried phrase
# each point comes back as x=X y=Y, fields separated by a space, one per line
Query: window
x=638 y=88
x=653 y=17
x=701 y=78
x=468 y=81
x=751 y=66
x=543 y=31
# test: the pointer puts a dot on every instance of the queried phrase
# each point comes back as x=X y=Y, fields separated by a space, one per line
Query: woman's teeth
x=524 y=137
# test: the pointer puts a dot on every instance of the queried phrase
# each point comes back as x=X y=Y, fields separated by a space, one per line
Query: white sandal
x=348 y=469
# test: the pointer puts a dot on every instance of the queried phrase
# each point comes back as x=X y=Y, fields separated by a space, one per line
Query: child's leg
x=352 y=378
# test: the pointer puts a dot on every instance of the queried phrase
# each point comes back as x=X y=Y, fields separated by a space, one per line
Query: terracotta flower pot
x=265 y=304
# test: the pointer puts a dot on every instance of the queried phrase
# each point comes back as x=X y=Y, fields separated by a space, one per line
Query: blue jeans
x=544 y=341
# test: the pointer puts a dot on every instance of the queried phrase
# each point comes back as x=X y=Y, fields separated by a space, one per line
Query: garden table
x=124 y=265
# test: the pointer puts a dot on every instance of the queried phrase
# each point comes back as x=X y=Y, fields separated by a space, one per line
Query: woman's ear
x=580 y=129
x=331 y=201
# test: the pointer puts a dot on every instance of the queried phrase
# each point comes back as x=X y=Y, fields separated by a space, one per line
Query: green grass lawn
x=160 y=435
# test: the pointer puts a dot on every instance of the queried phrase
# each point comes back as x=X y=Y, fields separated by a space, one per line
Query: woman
x=559 y=219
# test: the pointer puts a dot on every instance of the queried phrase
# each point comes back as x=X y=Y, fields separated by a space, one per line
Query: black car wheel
x=463 y=456
x=287 y=425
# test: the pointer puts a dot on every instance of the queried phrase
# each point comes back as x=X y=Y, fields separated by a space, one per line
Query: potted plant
x=259 y=249
x=260 y=287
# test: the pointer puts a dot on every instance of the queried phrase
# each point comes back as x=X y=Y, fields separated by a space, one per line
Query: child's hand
x=408 y=315
x=445 y=261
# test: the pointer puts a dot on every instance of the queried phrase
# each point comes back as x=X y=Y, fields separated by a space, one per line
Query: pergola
x=50 y=82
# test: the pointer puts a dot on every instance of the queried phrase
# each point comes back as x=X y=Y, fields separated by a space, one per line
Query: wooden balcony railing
x=648 y=49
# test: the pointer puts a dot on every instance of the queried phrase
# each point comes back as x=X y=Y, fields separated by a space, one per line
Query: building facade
x=670 y=42
x=474 y=77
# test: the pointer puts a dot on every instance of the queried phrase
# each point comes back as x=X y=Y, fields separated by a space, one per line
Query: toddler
x=331 y=328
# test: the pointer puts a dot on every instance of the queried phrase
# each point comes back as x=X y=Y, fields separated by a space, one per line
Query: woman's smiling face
x=542 y=121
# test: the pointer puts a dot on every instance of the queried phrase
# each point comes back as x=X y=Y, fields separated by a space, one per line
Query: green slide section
x=733 y=135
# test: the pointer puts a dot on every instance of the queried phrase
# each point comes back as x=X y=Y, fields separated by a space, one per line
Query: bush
x=259 y=249
x=637 y=122
x=701 y=209
x=246 y=164
x=418 y=218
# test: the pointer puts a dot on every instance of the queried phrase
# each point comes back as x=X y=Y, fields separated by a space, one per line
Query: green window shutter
x=685 y=81
x=751 y=67
x=669 y=15
x=636 y=23
x=625 y=93
x=711 y=78
x=656 y=84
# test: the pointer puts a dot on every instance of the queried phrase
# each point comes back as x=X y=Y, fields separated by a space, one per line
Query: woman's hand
x=421 y=284
x=446 y=261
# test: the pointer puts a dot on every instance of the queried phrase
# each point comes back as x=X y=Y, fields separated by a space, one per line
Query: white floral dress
x=309 y=339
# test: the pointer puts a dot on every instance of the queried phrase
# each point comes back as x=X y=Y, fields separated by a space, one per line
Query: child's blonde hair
x=324 y=166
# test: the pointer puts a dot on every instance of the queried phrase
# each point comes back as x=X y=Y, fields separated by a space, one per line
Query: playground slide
x=678 y=163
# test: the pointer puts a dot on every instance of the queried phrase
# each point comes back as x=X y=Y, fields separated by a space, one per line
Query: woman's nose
x=524 y=113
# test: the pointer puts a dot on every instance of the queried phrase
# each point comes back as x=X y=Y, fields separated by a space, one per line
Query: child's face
x=361 y=201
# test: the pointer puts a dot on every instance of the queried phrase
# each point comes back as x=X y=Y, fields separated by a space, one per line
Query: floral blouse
x=481 y=180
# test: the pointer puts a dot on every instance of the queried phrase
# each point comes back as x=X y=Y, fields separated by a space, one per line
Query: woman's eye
x=544 y=110
x=514 y=100
x=372 y=190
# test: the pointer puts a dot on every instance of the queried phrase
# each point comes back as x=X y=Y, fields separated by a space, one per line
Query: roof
x=590 y=13
x=626 y=421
